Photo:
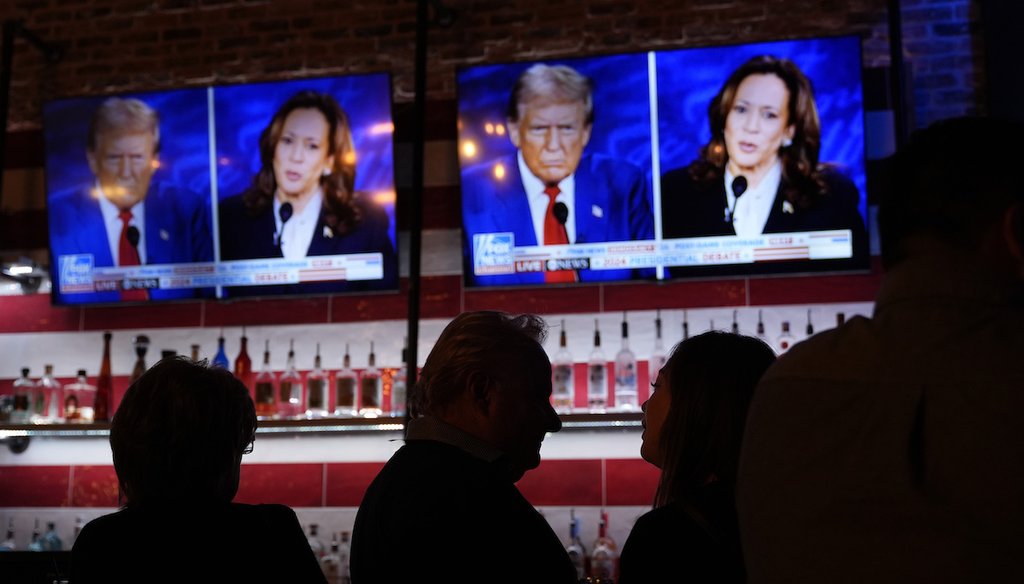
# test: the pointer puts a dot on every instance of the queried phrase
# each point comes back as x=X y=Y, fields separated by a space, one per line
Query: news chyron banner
x=79 y=274
x=496 y=253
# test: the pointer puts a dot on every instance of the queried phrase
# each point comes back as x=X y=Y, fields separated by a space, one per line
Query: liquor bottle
x=36 y=543
x=345 y=388
x=314 y=541
x=330 y=564
x=785 y=340
x=657 y=360
x=141 y=343
x=577 y=553
x=399 y=386
x=24 y=394
x=78 y=399
x=597 y=384
x=195 y=352
x=810 y=326
x=51 y=541
x=686 y=327
x=8 y=545
x=289 y=399
x=102 y=409
x=760 y=328
x=626 y=399
x=265 y=381
x=563 y=387
x=345 y=554
x=603 y=559
x=316 y=389
x=221 y=358
x=53 y=410
x=79 y=524
x=840 y=319
x=370 y=392
x=243 y=365
x=735 y=323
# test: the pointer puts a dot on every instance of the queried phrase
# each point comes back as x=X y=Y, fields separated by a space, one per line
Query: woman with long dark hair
x=303 y=201
x=693 y=429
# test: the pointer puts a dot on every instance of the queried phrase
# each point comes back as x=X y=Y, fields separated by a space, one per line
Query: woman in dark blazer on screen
x=760 y=172
x=303 y=201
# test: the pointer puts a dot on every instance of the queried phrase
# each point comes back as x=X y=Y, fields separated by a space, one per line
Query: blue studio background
x=688 y=79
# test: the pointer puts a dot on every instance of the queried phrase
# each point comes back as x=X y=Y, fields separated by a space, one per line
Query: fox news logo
x=493 y=253
x=76 y=273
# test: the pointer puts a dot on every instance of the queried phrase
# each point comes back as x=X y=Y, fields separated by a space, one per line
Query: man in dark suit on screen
x=126 y=218
x=550 y=192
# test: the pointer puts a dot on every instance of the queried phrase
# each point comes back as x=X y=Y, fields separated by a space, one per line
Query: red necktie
x=128 y=255
x=555 y=234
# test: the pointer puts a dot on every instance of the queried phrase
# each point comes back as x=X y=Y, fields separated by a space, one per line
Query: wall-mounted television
x=265 y=189
x=715 y=161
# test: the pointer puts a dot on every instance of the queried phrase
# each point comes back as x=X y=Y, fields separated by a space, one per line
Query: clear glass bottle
x=314 y=541
x=289 y=398
x=686 y=326
x=626 y=399
x=316 y=389
x=597 y=378
x=79 y=524
x=345 y=555
x=657 y=360
x=266 y=405
x=370 y=391
x=243 y=366
x=603 y=560
x=577 y=552
x=103 y=405
x=735 y=323
x=345 y=388
x=760 y=328
x=563 y=386
x=53 y=396
x=78 y=399
x=399 y=386
x=36 y=543
x=8 y=544
x=221 y=358
x=141 y=343
x=840 y=319
x=194 y=355
x=24 y=396
x=330 y=564
x=51 y=541
x=785 y=339
x=809 y=330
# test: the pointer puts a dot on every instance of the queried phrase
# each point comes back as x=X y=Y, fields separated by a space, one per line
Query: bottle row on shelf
x=345 y=392
x=333 y=558
x=48 y=541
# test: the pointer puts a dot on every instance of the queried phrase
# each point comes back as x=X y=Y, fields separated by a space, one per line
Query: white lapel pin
x=164 y=235
x=596 y=211
x=787 y=207
x=328 y=232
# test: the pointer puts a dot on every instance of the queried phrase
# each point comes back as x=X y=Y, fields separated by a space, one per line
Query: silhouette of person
x=693 y=428
x=177 y=439
x=447 y=500
x=890 y=448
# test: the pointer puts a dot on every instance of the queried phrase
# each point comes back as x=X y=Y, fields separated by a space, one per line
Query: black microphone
x=133 y=236
x=285 y=213
x=561 y=212
x=739 y=186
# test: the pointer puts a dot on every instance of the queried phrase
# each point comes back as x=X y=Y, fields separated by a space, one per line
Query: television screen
x=732 y=160
x=266 y=189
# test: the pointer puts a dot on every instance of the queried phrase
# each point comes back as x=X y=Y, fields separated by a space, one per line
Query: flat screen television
x=713 y=161
x=266 y=189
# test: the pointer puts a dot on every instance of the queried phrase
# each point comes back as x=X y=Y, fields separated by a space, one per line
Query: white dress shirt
x=534 y=189
x=751 y=210
x=298 y=230
x=112 y=221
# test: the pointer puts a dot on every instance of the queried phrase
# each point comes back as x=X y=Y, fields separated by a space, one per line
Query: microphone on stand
x=133 y=236
x=285 y=213
x=739 y=186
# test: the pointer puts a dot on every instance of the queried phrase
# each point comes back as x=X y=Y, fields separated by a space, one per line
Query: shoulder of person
x=838 y=182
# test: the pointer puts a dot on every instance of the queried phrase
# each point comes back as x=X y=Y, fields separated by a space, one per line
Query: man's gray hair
x=551 y=84
x=475 y=349
x=121 y=116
